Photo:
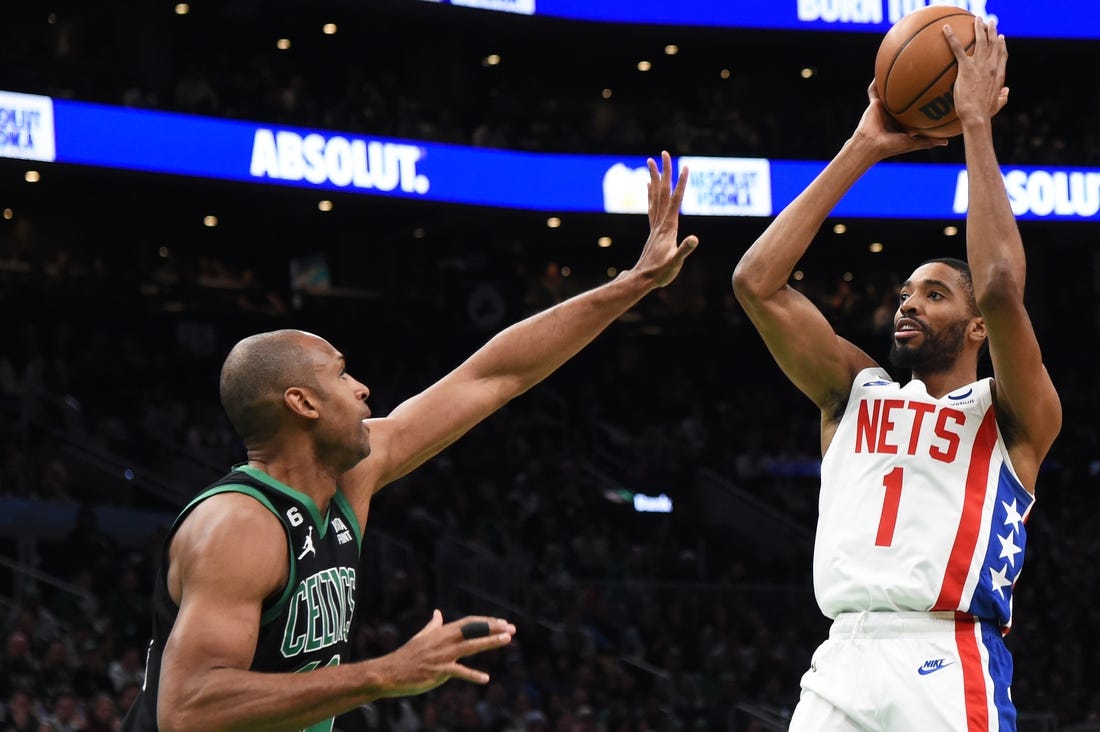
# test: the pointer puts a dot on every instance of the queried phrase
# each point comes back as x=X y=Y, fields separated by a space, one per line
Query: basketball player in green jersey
x=256 y=592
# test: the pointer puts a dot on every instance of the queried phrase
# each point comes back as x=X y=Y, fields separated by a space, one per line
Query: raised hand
x=662 y=257
x=887 y=136
x=980 y=90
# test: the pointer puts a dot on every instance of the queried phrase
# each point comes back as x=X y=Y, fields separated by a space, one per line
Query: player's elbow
x=169 y=719
x=177 y=717
x=746 y=287
x=183 y=723
x=1000 y=290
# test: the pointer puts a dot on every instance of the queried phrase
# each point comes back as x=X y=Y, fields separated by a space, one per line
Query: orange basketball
x=915 y=69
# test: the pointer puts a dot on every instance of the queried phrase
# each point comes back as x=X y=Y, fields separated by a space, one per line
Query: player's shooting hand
x=663 y=256
x=980 y=90
x=431 y=657
x=887 y=137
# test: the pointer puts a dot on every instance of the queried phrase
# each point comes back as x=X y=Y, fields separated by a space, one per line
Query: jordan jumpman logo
x=307 y=548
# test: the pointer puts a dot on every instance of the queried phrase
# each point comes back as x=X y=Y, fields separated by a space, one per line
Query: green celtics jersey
x=306 y=625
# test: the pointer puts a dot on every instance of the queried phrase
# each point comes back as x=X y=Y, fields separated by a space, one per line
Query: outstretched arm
x=205 y=680
x=1028 y=407
x=522 y=355
x=819 y=362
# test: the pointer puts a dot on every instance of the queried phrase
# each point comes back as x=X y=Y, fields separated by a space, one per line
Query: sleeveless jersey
x=920 y=508
x=307 y=624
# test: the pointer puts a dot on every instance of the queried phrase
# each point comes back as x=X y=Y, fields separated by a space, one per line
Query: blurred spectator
x=20 y=670
x=57 y=670
x=86 y=546
x=66 y=715
x=91 y=677
x=20 y=715
x=81 y=605
x=37 y=622
x=127 y=608
x=103 y=715
x=127 y=670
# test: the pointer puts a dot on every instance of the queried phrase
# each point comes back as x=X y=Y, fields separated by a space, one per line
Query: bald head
x=257 y=372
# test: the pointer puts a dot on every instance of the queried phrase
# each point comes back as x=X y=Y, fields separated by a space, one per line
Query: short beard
x=938 y=354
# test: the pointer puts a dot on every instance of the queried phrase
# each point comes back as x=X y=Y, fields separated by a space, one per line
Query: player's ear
x=977 y=330
x=301 y=402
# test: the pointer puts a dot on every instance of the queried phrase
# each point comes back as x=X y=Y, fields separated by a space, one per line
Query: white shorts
x=907 y=672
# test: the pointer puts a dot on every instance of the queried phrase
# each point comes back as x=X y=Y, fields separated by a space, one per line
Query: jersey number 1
x=889 y=518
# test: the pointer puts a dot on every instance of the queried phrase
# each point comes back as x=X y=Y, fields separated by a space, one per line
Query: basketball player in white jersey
x=925 y=486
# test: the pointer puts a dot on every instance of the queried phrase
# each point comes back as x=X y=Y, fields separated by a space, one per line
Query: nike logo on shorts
x=933 y=665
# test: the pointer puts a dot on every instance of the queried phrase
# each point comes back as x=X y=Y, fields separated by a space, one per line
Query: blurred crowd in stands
x=627 y=621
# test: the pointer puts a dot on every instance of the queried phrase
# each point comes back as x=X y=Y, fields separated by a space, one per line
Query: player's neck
x=940 y=383
x=298 y=469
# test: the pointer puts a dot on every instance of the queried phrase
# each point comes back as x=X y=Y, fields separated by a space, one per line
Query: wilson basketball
x=915 y=69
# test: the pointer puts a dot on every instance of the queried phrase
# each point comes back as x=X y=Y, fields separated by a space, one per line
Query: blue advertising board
x=64 y=131
x=1015 y=18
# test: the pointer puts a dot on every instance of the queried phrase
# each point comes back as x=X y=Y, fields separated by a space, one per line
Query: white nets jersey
x=920 y=508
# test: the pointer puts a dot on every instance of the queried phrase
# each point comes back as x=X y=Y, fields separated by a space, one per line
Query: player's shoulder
x=230 y=543
x=872 y=376
x=231 y=535
x=229 y=514
x=983 y=391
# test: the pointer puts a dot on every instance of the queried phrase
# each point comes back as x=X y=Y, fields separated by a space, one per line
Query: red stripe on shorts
x=977 y=708
x=966 y=538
